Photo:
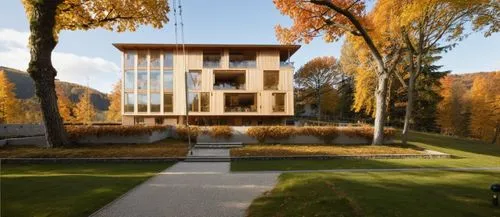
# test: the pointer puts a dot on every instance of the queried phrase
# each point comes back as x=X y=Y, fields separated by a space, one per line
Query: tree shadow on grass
x=379 y=194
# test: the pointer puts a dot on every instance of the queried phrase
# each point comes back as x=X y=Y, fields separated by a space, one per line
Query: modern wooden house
x=226 y=84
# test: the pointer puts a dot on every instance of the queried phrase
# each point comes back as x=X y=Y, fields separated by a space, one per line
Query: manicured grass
x=164 y=148
x=470 y=153
x=297 y=150
x=68 y=189
x=379 y=194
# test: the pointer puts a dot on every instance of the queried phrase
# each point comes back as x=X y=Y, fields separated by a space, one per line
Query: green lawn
x=383 y=194
x=470 y=153
x=68 y=189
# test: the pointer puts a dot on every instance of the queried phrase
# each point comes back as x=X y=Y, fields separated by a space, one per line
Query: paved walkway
x=192 y=189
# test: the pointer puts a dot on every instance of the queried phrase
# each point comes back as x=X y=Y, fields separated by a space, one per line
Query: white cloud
x=70 y=67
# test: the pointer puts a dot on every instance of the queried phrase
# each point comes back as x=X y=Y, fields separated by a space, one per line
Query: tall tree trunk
x=380 y=109
x=409 y=108
x=318 y=101
x=42 y=41
x=414 y=72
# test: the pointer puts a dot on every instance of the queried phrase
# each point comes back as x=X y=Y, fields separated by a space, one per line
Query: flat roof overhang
x=285 y=50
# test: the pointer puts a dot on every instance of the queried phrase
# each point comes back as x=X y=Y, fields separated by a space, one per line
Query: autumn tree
x=484 y=111
x=114 y=109
x=84 y=110
x=430 y=26
x=333 y=19
x=48 y=18
x=452 y=109
x=9 y=104
x=64 y=104
x=316 y=78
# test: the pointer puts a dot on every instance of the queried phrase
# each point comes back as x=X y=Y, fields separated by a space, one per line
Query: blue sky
x=89 y=54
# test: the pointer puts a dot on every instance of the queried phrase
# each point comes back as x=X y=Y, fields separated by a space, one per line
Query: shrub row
x=76 y=132
x=216 y=132
x=327 y=134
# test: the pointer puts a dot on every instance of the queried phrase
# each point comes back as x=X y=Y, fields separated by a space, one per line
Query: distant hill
x=25 y=88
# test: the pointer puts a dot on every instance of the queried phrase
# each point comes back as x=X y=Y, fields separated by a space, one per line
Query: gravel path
x=192 y=189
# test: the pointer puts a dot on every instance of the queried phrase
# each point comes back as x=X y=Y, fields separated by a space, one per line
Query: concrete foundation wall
x=133 y=139
x=239 y=135
x=21 y=130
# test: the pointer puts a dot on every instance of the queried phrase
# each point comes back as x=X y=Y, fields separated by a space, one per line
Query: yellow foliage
x=64 y=104
x=9 y=104
x=114 y=109
x=115 y=15
x=84 y=110
x=485 y=113
x=225 y=132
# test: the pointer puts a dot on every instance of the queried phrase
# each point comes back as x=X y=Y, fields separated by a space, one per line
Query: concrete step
x=207 y=159
x=218 y=146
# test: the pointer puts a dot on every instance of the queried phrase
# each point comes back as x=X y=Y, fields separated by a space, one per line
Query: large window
x=211 y=59
x=271 y=80
x=142 y=60
x=242 y=59
x=240 y=102
x=130 y=59
x=155 y=59
x=155 y=102
x=205 y=102
x=142 y=100
x=155 y=81
x=194 y=80
x=168 y=80
x=142 y=80
x=229 y=80
x=129 y=80
x=278 y=102
x=199 y=102
x=194 y=102
x=168 y=102
x=168 y=59
x=129 y=102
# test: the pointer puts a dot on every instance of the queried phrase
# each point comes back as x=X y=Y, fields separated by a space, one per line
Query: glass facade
x=168 y=59
x=199 y=102
x=130 y=59
x=194 y=102
x=242 y=59
x=129 y=80
x=271 y=80
x=142 y=102
x=211 y=59
x=240 y=102
x=168 y=102
x=194 y=80
x=205 y=102
x=155 y=80
x=155 y=102
x=129 y=102
x=278 y=102
x=142 y=59
x=168 y=80
x=155 y=59
x=142 y=80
